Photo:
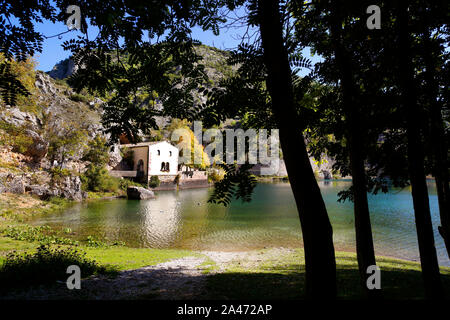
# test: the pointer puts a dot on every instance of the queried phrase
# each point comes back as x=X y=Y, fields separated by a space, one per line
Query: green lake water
x=184 y=219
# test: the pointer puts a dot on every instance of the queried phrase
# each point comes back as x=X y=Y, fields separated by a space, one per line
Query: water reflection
x=161 y=221
x=185 y=219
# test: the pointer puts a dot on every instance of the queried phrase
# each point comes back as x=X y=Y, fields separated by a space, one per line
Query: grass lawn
x=124 y=258
x=284 y=278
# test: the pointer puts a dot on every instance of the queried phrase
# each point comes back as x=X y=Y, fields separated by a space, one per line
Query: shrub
x=97 y=178
x=97 y=151
x=78 y=98
x=45 y=266
x=15 y=136
x=154 y=182
x=59 y=173
x=125 y=183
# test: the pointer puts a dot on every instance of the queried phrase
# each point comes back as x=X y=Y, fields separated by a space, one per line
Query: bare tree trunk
x=317 y=232
x=415 y=153
x=355 y=135
x=439 y=145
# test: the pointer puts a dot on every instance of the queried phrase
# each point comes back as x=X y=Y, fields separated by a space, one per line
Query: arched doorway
x=140 y=170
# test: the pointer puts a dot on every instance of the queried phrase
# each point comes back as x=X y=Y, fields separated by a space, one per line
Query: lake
x=184 y=219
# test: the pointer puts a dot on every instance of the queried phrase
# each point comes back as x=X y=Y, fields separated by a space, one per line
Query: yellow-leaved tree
x=24 y=71
x=192 y=151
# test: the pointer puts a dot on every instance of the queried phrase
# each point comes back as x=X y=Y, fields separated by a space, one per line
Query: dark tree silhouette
x=415 y=153
x=19 y=40
x=316 y=228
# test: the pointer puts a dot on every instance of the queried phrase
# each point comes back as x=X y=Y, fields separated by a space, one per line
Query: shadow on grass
x=284 y=283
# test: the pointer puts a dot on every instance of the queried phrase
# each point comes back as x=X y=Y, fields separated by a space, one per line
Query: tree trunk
x=317 y=232
x=415 y=153
x=355 y=136
x=439 y=145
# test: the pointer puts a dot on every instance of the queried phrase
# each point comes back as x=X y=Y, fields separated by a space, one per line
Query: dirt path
x=172 y=280
x=246 y=259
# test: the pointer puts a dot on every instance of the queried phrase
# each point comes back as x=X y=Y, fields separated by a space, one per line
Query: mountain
x=214 y=61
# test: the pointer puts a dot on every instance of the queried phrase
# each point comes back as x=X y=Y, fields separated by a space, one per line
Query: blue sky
x=53 y=52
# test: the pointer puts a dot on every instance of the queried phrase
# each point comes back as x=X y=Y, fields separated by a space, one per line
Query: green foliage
x=97 y=178
x=42 y=234
x=45 y=266
x=61 y=82
x=92 y=242
x=237 y=182
x=133 y=76
x=125 y=183
x=64 y=141
x=24 y=72
x=154 y=182
x=78 y=98
x=15 y=136
x=58 y=173
x=97 y=152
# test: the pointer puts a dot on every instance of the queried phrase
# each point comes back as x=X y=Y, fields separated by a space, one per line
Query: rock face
x=68 y=187
x=19 y=118
x=39 y=148
x=63 y=69
x=138 y=193
x=114 y=157
x=11 y=183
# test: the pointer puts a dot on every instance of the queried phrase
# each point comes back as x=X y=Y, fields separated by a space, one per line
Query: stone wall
x=187 y=180
x=193 y=179
x=167 y=182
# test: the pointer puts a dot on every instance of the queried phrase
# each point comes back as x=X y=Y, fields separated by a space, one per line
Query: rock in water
x=139 y=193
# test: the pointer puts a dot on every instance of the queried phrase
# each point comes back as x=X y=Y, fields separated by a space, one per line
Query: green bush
x=97 y=151
x=58 y=173
x=154 y=182
x=78 y=98
x=125 y=183
x=15 y=136
x=98 y=179
x=45 y=266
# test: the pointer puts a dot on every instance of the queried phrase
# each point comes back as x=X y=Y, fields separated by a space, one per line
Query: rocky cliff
x=30 y=134
x=26 y=133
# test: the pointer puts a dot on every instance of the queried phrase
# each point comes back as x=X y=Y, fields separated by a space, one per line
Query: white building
x=158 y=158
